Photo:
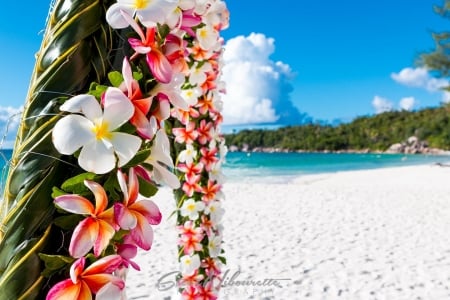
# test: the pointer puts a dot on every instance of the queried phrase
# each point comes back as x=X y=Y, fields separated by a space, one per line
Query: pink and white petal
x=127 y=75
x=85 y=104
x=101 y=199
x=97 y=281
x=125 y=145
x=124 y=217
x=160 y=66
x=163 y=112
x=75 y=204
x=133 y=185
x=105 y=234
x=142 y=235
x=142 y=124
x=110 y=291
x=71 y=133
x=97 y=158
x=115 y=18
x=77 y=268
x=83 y=237
x=118 y=108
x=178 y=101
x=65 y=290
x=123 y=186
x=149 y=210
x=107 y=264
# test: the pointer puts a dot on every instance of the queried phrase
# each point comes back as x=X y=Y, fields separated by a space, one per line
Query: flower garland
x=118 y=134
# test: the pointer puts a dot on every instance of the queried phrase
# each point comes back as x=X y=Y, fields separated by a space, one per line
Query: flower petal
x=71 y=133
x=97 y=158
x=118 y=108
x=83 y=237
x=162 y=174
x=115 y=18
x=101 y=199
x=65 y=290
x=107 y=264
x=75 y=204
x=124 y=217
x=160 y=66
x=142 y=234
x=85 y=104
x=125 y=145
x=77 y=268
x=97 y=281
x=133 y=185
x=110 y=291
x=149 y=210
x=105 y=234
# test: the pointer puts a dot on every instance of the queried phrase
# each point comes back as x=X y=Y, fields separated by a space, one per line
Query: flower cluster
x=118 y=134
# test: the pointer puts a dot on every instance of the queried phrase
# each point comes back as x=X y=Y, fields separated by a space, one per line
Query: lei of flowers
x=118 y=134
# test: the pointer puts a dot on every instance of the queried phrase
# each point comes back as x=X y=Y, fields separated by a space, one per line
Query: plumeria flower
x=134 y=215
x=190 y=293
x=145 y=127
x=205 y=104
x=190 y=170
x=211 y=266
x=160 y=160
x=94 y=231
x=208 y=157
x=211 y=191
x=205 y=130
x=84 y=282
x=192 y=185
x=191 y=95
x=197 y=73
x=94 y=131
x=170 y=93
x=185 y=116
x=192 y=279
x=190 y=237
x=127 y=252
x=206 y=292
x=191 y=208
x=208 y=37
x=214 y=246
x=189 y=264
x=216 y=173
x=215 y=211
x=186 y=135
x=188 y=155
x=217 y=15
x=149 y=13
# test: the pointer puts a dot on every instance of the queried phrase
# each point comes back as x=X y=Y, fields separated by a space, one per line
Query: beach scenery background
x=355 y=215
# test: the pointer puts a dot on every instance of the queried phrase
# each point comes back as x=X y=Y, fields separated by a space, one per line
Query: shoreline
x=367 y=234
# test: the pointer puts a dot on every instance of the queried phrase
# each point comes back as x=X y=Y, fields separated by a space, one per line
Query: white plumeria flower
x=172 y=92
x=94 y=132
x=188 y=155
x=189 y=264
x=208 y=37
x=214 y=246
x=191 y=208
x=217 y=15
x=160 y=160
x=148 y=12
x=216 y=173
x=215 y=211
x=197 y=75
x=191 y=95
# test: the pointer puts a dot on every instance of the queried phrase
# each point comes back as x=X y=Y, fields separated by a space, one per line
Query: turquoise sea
x=284 y=165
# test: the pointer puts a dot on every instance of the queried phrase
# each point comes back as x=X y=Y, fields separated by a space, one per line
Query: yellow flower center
x=203 y=33
x=141 y=4
x=101 y=131
x=191 y=207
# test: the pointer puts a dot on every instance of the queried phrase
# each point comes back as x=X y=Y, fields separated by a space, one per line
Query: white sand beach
x=374 y=234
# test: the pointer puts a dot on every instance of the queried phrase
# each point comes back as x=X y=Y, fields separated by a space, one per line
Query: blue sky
x=338 y=57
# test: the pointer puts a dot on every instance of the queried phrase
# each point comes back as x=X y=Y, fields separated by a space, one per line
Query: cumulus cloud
x=407 y=103
x=9 y=121
x=382 y=105
x=257 y=88
x=419 y=77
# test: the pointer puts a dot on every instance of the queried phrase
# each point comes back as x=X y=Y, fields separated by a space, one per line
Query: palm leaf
x=73 y=53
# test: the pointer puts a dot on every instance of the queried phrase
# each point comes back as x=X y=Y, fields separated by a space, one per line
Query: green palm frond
x=74 y=53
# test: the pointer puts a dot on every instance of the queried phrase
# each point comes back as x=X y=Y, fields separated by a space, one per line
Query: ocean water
x=279 y=166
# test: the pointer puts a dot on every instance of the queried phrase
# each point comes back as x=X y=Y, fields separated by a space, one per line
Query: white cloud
x=446 y=97
x=407 y=103
x=9 y=121
x=419 y=77
x=257 y=88
x=382 y=105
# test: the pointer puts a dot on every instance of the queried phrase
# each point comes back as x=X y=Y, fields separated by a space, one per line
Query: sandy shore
x=375 y=234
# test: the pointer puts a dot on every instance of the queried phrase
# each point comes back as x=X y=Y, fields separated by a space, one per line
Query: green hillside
x=375 y=133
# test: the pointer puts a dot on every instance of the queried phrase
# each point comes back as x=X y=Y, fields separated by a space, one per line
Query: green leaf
x=76 y=185
x=138 y=75
x=97 y=90
x=115 y=78
x=54 y=263
x=111 y=186
x=68 y=222
x=139 y=158
x=146 y=189
x=56 y=192
x=222 y=259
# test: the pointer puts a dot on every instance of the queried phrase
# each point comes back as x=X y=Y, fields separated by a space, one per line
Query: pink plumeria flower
x=128 y=252
x=204 y=130
x=136 y=213
x=84 y=282
x=207 y=225
x=94 y=131
x=189 y=263
x=145 y=127
x=161 y=161
x=149 y=13
x=192 y=279
x=190 y=293
x=185 y=116
x=190 y=170
x=191 y=209
x=94 y=231
x=190 y=237
x=207 y=291
x=205 y=104
x=186 y=135
x=211 y=266
x=191 y=185
x=208 y=157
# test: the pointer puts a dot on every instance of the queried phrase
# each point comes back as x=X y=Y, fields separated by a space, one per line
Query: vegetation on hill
x=375 y=133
